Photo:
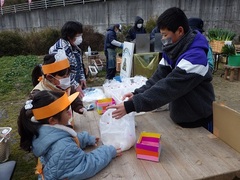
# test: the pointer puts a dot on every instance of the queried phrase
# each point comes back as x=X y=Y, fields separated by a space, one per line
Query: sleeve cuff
x=129 y=106
x=134 y=93
x=75 y=84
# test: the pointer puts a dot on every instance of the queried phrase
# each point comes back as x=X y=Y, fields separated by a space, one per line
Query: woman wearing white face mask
x=54 y=75
x=136 y=29
x=71 y=38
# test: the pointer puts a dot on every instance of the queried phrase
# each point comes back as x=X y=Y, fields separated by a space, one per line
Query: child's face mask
x=64 y=83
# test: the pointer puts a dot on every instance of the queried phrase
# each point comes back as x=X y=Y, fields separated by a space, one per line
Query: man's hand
x=119 y=112
x=127 y=96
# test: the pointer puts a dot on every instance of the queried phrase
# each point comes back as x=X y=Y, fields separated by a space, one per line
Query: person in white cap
x=110 y=45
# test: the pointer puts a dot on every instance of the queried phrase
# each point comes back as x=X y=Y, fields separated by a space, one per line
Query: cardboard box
x=98 y=63
x=226 y=124
x=148 y=146
x=118 y=63
x=102 y=104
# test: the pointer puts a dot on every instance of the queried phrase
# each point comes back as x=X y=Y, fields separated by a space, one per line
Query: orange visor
x=55 y=107
x=55 y=67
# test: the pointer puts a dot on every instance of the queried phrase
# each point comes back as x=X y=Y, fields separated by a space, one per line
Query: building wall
x=215 y=13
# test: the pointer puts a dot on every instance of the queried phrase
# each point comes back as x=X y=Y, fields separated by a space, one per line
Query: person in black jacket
x=182 y=79
x=136 y=29
x=152 y=37
x=110 y=45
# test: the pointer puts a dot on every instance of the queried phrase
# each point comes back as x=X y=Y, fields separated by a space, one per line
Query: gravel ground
x=226 y=91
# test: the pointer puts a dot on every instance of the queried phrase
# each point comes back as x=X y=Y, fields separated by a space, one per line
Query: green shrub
x=12 y=2
x=151 y=23
x=122 y=36
x=12 y=43
x=38 y=43
x=93 y=39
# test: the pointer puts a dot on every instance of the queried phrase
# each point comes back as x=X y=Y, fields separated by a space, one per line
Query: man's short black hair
x=172 y=19
x=71 y=29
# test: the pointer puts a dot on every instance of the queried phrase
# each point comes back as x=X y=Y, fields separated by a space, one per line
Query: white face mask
x=166 y=41
x=64 y=83
x=139 y=26
x=78 y=40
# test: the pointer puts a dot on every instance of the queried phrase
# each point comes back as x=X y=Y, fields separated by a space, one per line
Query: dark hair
x=70 y=29
x=172 y=19
x=28 y=129
x=37 y=71
x=196 y=24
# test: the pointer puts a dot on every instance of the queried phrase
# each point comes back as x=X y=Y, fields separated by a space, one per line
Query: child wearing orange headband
x=43 y=131
x=54 y=75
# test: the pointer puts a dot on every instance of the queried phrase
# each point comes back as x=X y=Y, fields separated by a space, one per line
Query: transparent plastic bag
x=118 y=132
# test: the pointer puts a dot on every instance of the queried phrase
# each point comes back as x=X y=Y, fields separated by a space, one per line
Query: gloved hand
x=121 y=46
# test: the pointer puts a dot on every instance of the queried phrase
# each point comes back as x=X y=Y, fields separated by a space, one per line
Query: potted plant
x=229 y=50
x=233 y=57
x=220 y=34
x=219 y=37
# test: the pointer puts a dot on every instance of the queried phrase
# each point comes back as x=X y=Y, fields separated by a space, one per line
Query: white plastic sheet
x=93 y=94
x=116 y=90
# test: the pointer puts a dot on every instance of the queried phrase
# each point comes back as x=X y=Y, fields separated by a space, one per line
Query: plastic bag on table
x=118 y=132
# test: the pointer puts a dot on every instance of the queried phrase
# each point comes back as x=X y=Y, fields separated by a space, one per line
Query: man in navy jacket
x=110 y=45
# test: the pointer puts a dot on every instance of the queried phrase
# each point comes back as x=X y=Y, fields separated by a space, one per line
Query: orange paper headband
x=55 y=67
x=55 y=107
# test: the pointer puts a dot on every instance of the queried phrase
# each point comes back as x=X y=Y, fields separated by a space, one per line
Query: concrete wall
x=215 y=13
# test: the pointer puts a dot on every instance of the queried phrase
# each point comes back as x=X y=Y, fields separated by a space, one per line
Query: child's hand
x=119 y=152
x=97 y=140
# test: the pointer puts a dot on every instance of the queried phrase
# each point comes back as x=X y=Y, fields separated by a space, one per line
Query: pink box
x=148 y=146
x=103 y=103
